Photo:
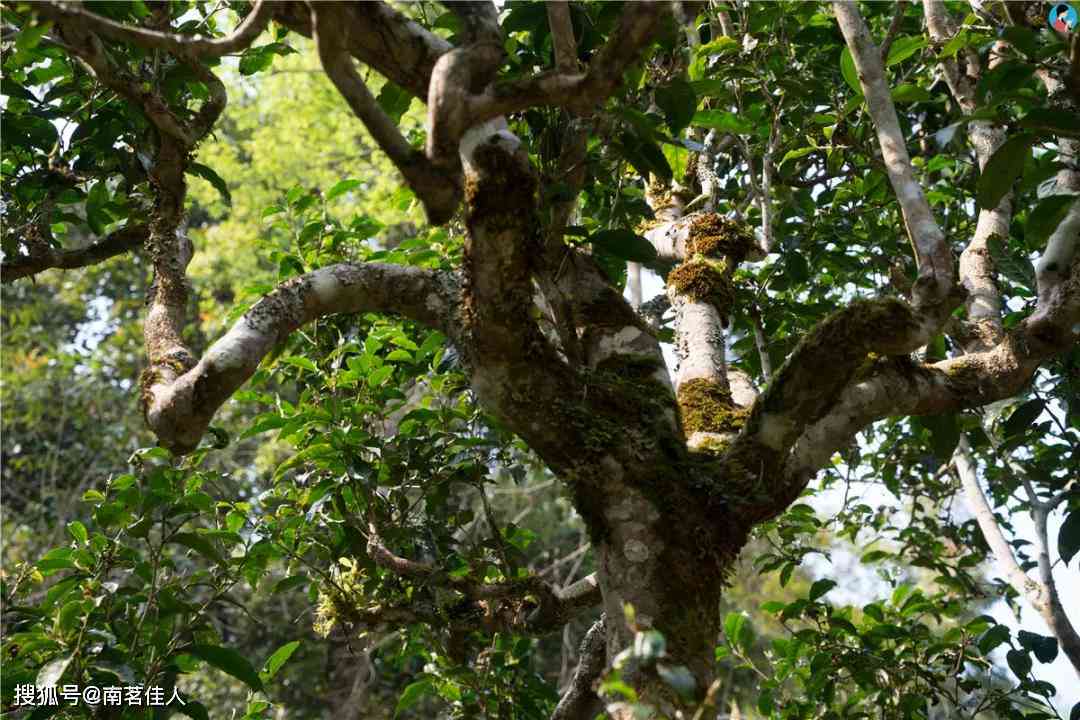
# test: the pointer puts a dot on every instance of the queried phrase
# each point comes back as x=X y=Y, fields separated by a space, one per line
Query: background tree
x=561 y=127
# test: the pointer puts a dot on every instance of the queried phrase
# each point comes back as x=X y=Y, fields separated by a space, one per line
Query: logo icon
x=1063 y=17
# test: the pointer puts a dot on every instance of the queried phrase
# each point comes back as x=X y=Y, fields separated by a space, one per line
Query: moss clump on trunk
x=704 y=280
x=706 y=406
x=714 y=235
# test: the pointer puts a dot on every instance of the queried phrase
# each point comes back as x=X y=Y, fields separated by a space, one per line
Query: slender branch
x=991 y=529
x=936 y=274
x=116 y=243
x=894 y=29
x=179 y=410
x=1042 y=594
x=761 y=343
x=439 y=191
x=562 y=36
x=192 y=48
x=580 y=701
x=553 y=608
x=983 y=302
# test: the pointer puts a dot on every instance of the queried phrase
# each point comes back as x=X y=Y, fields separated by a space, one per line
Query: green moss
x=714 y=235
x=704 y=280
x=706 y=406
x=713 y=445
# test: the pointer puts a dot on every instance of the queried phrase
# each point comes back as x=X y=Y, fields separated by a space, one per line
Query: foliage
x=183 y=573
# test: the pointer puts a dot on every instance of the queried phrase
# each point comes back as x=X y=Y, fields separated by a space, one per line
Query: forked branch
x=185 y=46
x=936 y=272
x=123 y=240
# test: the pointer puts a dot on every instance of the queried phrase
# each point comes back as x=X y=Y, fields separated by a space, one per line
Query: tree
x=561 y=141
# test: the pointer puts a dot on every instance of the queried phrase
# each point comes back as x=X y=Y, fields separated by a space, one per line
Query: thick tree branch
x=811 y=382
x=378 y=36
x=892 y=387
x=179 y=410
x=457 y=75
x=983 y=302
x=117 y=243
x=438 y=189
x=580 y=701
x=562 y=36
x=936 y=272
x=186 y=46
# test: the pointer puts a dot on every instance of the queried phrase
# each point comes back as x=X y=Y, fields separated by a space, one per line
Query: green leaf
x=343 y=187
x=796 y=267
x=624 y=244
x=199 y=544
x=1019 y=663
x=257 y=59
x=903 y=48
x=820 y=587
x=280 y=657
x=394 y=101
x=847 y=69
x=908 y=92
x=289 y=583
x=1045 y=218
x=722 y=120
x=678 y=101
x=1057 y=122
x=228 y=661
x=1045 y=648
x=1022 y=417
x=992 y=638
x=96 y=214
x=737 y=630
x=301 y=362
x=51 y=672
x=207 y=173
x=78 y=531
x=1002 y=170
x=944 y=434
x=1069 y=537
x=412 y=694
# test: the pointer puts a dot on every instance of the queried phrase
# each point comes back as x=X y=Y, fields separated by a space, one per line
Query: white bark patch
x=325 y=286
x=237 y=348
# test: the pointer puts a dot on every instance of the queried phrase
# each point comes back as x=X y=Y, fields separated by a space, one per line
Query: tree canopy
x=333 y=386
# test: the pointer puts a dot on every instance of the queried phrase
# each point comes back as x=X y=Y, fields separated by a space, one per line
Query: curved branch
x=185 y=46
x=936 y=273
x=439 y=190
x=179 y=410
x=116 y=243
x=378 y=36
x=579 y=92
x=898 y=386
